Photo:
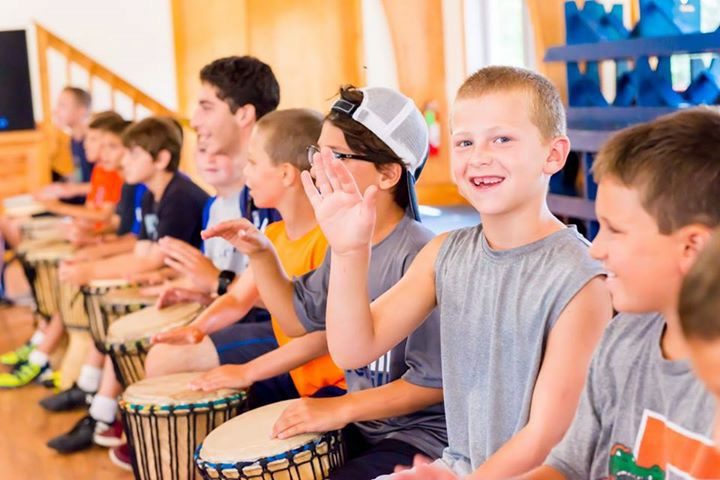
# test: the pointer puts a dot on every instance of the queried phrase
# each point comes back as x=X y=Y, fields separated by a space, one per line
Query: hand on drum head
x=189 y=261
x=189 y=335
x=345 y=214
x=226 y=376
x=424 y=469
x=174 y=295
x=312 y=415
x=241 y=234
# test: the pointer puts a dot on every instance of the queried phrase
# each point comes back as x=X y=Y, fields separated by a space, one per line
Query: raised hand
x=346 y=215
x=189 y=261
x=241 y=234
x=189 y=335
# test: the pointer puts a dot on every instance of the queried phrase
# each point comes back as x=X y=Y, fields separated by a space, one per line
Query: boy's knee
x=159 y=361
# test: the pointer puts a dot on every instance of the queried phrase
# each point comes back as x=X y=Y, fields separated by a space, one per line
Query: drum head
x=151 y=320
x=54 y=252
x=247 y=438
x=106 y=283
x=127 y=296
x=22 y=206
x=172 y=390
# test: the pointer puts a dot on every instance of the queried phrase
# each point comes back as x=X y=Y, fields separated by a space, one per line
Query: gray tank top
x=497 y=309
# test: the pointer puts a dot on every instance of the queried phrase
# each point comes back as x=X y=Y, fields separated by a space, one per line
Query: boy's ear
x=245 y=116
x=557 y=156
x=390 y=175
x=693 y=239
x=290 y=174
x=162 y=160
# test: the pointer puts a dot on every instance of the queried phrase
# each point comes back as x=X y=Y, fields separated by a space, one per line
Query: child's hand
x=310 y=415
x=189 y=335
x=155 y=277
x=174 y=295
x=241 y=234
x=189 y=261
x=226 y=376
x=346 y=216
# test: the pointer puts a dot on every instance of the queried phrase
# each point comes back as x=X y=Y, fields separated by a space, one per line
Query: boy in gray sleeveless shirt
x=521 y=302
x=643 y=413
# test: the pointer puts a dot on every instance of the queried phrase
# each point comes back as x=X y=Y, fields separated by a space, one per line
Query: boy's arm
x=293 y=354
x=347 y=218
x=326 y=414
x=559 y=384
x=274 y=287
x=224 y=311
x=99 y=214
x=144 y=258
x=117 y=246
x=377 y=328
x=544 y=472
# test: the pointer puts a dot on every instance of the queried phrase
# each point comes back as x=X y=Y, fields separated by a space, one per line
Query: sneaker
x=121 y=456
x=70 y=399
x=79 y=438
x=17 y=356
x=21 y=375
x=109 y=436
x=50 y=379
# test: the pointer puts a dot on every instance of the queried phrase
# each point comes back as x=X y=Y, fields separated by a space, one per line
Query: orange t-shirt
x=105 y=187
x=297 y=258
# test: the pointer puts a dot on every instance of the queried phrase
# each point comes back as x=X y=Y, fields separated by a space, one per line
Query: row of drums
x=175 y=433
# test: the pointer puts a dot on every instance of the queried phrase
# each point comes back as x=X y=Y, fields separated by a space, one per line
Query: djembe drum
x=128 y=338
x=242 y=449
x=165 y=421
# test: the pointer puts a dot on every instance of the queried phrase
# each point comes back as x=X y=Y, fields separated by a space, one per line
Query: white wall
x=131 y=37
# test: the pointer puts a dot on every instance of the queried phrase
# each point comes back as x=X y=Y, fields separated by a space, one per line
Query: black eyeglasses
x=313 y=149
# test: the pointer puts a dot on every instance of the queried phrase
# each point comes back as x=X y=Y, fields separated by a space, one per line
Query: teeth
x=478 y=181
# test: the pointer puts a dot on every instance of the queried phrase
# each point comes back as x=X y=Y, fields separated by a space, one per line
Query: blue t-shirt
x=83 y=168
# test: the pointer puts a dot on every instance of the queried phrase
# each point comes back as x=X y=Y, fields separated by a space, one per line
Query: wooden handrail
x=47 y=40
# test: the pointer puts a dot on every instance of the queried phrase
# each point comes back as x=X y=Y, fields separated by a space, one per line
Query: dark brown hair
x=363 y=141
x=108 y=121
x=155 y=134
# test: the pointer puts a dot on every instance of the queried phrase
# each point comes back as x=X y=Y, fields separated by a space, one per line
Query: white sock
x=103 y=409
x=37 y=338
x=38 y=358
x=89 y=379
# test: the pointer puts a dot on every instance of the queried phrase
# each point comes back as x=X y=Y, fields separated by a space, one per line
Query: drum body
x=95 y=296
x=43 y=228
x=242 y=449
x=128 y=338
x=165 y=421
x=40 y=260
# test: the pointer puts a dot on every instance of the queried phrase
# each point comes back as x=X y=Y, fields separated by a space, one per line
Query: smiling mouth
x=486 y=182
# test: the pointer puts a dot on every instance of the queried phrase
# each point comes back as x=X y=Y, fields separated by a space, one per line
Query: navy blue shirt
x=80 y=160
x=178 y=214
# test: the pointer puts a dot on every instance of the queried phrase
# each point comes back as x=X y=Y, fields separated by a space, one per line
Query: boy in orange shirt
x=260 y=355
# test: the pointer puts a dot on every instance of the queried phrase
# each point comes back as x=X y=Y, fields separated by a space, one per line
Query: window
x=498 y=32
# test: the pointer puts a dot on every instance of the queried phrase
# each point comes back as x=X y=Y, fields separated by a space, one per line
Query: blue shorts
x=242 y=342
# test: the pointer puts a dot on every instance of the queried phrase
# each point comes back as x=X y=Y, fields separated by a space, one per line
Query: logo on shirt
x=378 y=372
x=662 y=449
x=151 y=226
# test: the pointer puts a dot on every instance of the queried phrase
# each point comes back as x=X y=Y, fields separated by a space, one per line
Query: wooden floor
x=25 y=426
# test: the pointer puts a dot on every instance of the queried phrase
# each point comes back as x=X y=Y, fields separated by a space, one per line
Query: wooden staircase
x=26 y=157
